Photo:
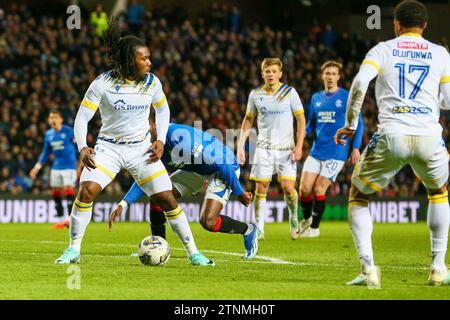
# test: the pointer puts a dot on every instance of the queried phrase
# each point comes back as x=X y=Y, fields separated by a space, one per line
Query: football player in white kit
x=275 y=105
x=124 y=96
x=412 y=73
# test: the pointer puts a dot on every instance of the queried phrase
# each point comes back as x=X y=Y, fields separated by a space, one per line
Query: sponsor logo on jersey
x=412 y=110
x=264 y=111
x=121 y=105
x=326 y=116
x=412 y=45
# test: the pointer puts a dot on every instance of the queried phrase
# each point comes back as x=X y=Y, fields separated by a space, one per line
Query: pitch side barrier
x=41 y=209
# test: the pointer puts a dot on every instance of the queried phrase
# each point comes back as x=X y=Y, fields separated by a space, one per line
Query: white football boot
x=304 y=225
x=437 y=279
x=310 y=233
x=371 y=279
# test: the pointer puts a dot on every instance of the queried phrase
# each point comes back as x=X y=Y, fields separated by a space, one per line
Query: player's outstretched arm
x=358 y=91
x=247 y=124
x=131 y=197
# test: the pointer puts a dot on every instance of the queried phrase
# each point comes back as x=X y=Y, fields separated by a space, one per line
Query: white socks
x=180 y=225
x=438 y=221
x=361 y=226
x=79 y=220
x=292 y=204
x=260 y=206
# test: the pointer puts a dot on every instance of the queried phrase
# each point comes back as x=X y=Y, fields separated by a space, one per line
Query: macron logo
x=412 y=45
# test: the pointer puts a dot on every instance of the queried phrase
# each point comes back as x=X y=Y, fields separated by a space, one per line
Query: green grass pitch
x=285 y=269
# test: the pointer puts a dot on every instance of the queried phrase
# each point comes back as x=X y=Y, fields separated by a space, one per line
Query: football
x=154 y=251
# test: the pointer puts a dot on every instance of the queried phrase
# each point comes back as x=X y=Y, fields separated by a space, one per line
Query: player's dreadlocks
x=120 y=51
x=411 y=13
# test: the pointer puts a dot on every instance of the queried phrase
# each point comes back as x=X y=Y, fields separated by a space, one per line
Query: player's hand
x=86 y=157
x=114 y=215
x=241 y=156
x=156 y=151
x=33 y=173
x=341 y=134
x=296 y=154
x=355 y=156
x=246 y=198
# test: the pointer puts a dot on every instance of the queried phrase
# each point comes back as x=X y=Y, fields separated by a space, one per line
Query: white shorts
x=111 y=158
x=188 y=183
x=386 y=154
x=269 y=162
x=63 y=178
x=324 y=168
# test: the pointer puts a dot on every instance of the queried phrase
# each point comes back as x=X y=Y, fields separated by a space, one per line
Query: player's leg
x=286 y=170
x=263 y=168
x=310 y=172
x=329 y=171
x=92 y=182
x=361 y=226
x=260 y=206
x=430 y=163
x=56 y=183
x=291 y=199
x=438 y=219
x=70 y=177
x=157 y=220
x=217 y=195
x=155 y=182
x=57 y=195
x=383 y=157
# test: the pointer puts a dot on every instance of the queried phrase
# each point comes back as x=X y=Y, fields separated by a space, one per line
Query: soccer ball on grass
x=154 y=251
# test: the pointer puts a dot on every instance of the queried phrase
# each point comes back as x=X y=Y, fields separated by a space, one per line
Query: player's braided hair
x=411 y=13
x=120 y=51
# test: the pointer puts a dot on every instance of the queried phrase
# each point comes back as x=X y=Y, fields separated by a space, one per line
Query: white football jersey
x=124 y=106
x=275 y=116
x=410 y=71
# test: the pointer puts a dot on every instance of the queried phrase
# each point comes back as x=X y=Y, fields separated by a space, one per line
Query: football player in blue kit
x=326 y=159
x=195 y=156
x=59 y=141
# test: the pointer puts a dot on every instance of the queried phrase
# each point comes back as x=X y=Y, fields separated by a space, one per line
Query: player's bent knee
x=441 y=190
x=89 y=191
x=165 y=200
x=208 y=222
x=356 y=197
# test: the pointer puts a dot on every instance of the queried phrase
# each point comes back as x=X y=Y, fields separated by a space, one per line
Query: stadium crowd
x=207 y=67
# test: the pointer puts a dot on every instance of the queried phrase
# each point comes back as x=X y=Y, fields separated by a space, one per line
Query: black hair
x=411 y=13
x=120 y=51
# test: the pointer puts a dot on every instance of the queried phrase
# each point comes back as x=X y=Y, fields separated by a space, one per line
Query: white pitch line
x=264 y=259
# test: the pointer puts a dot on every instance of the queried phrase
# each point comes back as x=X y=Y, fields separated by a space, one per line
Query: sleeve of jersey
x=162 y=112
x=357 y=139
x=228 y=173
x=133 y=194
x=446 y=70
x=357 y=93
x=445 y=83
x=311 y=125
x=93 y=95
x=296 y=103
x=374 y=58
x=45 y=154
x=251 y=110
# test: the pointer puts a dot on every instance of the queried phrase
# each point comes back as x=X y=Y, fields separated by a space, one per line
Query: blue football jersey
x=326 y=116
x=194 y=150
x=61 y=144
